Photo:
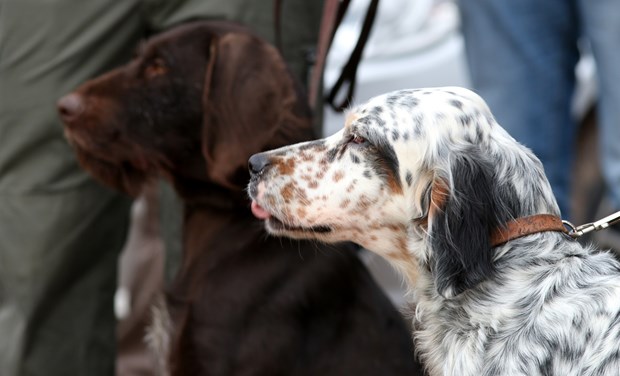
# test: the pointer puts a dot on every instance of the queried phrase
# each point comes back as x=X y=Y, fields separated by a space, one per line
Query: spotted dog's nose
x=258 y=163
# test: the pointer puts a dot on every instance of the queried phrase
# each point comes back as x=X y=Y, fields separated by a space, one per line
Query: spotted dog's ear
x=461 y=216
x=251 y=104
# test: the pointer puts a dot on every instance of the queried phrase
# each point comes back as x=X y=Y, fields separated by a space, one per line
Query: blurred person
x=522 y=56
x=60 y=231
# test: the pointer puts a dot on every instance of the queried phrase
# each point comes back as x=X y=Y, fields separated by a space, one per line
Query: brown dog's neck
x=204 y=223
x=213 y=234
x=196 y=190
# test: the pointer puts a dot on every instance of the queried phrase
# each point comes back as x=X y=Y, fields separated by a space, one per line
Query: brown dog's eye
x=156 y=67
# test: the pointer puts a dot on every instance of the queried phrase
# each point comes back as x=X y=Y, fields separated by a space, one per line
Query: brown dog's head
x=205 y=93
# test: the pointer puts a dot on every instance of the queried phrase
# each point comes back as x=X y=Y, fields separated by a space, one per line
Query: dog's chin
x=275 y=226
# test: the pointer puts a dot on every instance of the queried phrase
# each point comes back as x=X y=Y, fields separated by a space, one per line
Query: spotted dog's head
x=420 y=177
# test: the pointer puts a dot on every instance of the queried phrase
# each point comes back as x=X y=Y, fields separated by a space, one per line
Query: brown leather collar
x=526 y=226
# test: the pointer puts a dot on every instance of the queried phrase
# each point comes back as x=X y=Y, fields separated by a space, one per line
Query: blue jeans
x=522 y=55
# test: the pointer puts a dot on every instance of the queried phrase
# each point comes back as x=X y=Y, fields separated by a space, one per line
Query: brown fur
x=192 y=107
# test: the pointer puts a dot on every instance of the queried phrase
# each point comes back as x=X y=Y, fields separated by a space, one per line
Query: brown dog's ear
x=461 y=216
x=251 y=104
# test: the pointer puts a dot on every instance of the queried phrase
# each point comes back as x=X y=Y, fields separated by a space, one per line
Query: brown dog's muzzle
x=70 y=107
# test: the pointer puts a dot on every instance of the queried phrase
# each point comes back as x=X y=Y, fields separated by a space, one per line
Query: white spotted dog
x=427 y=179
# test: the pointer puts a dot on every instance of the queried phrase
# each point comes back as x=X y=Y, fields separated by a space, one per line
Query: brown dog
x=194 y=104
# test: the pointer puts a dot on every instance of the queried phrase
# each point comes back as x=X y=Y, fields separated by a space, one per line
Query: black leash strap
x=333 y=13
x=277 y=24
x=349 y=71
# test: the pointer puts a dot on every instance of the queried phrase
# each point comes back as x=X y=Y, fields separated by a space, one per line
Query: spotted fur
x=421 y=177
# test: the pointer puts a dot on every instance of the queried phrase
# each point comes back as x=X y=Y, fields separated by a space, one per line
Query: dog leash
x=333 y=14
x=578 y=231
x=348 y=76
x=523 y=226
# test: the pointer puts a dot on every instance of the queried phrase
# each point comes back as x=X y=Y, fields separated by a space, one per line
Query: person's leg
x=521 y=56
x=602 y=29
x=60 y=232
x=58 y=273
x=601 y=20
x=299 y=20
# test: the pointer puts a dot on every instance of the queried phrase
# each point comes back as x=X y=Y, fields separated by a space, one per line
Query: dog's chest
x=534 y=332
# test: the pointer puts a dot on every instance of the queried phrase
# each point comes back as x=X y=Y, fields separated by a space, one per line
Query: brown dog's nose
x=70 y=107
x=257 y=163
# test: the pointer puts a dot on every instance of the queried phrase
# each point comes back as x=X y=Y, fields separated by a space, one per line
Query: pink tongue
x=259 y=212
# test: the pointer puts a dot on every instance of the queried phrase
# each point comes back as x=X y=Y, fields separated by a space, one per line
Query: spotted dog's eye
x=156 y=67
x=358 y=140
